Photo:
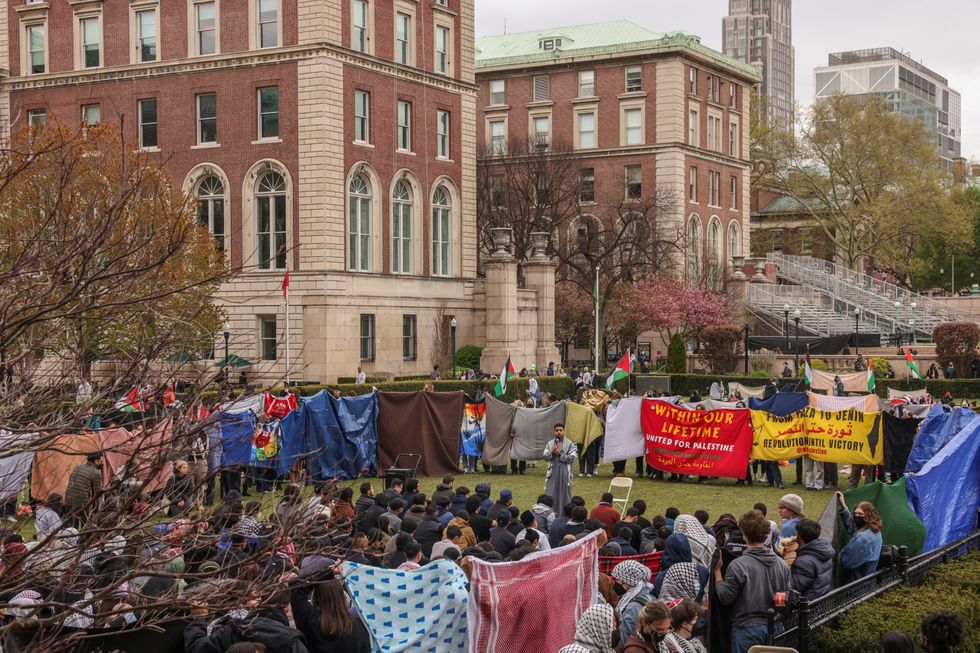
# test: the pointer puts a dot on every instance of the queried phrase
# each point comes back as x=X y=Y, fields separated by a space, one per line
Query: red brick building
x=781 y=224
x=641 y=110
x=334 y=139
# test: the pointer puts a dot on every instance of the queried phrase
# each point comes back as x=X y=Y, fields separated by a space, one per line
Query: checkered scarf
x=593 y=634
x=681 y=581
x=631 y=572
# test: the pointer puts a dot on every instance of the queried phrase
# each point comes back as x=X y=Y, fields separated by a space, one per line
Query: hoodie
x=543 y=515
x=813 y=571
x=482 y=490
x=268 y=627
x=750 y=583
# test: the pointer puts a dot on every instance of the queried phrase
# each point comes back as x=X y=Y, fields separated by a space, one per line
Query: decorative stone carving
x=539 y=241
x=501 y=241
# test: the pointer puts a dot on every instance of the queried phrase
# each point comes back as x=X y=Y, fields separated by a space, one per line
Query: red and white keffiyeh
x=508 y=599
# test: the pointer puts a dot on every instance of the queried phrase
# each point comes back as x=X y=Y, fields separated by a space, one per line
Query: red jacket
x=608 y=515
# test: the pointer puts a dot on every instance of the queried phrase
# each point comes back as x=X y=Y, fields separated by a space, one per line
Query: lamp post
x=898 y=325
x=786 y=324
x=226 y=332
x=857 y=331
x=452 y=341
x=796 y=346
x=745 y=330
x=912 y=306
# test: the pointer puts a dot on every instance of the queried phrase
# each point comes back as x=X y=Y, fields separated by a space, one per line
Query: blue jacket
x=813 y=569
x=859 y=558
x=630 y=615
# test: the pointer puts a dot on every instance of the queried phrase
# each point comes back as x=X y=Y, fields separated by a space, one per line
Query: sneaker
x=580 y=474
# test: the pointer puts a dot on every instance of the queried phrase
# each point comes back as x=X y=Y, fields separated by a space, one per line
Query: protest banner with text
x=701 y=442
x=844 y=436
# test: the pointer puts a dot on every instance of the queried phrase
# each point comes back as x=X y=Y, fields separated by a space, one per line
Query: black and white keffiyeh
x=702 y=545
x=593 y=634
x=631 y=572
x=680 y=582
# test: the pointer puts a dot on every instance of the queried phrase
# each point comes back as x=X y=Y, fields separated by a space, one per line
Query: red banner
x=700 y=442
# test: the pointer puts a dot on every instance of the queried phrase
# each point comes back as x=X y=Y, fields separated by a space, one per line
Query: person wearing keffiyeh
x=702 y=544
x=635 y=579
x=689 y=579
x=594 y=632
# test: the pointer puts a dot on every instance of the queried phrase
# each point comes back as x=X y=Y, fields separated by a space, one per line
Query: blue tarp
x=781 y=403
x=341 y=435
x=945 y=493
x=936 y=431
x=236 y=438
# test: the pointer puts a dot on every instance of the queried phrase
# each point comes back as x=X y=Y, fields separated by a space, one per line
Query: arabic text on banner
x=702 y=442
x=846 y=436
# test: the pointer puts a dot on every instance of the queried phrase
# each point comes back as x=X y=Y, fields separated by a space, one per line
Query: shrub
x=880 y=367
x=468 y=357
x=762 y=363
x=560 y=386
x=676 y=355
x=956 y=343
x=721 y=348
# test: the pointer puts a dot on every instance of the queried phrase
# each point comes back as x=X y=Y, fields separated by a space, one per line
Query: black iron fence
x=796 y=624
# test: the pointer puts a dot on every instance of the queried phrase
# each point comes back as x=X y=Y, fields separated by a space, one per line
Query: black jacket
x=369 y=518
x=813 y=569
x=308 y=622
x=634 y=527
x=503 y=541
x=363 y=503
x=481 y=527
x=495 y=508
x=429 y=532
x=269 y=627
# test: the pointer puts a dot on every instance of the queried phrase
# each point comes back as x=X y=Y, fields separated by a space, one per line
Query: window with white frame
x=634 y=182
x=734 y=240
x=146 y=35
x=205 y=28
x=401 y=229
x=403 y=39
x=207 y=118
x=404 y=127
x=714 y=133
x=777 y=240
x=441 y=232
x=91 y=114
x=714 y=88
x=732 y=95
x=692 y=185
x=268 y=23
x=359 y=220
x=211 y=208
x=634 y=126
x=634 y=79
x=367 y=337
x=442 y=49
x=806 y=241
x=148 y=123
x=90 y=37
x=268 y=339
x=37 y=117
x=541 y=88
x=733 y=193
x=270 y=221
x=268 y=112
x=586 y=130
x=693 y=248
x=733 y=139
x=442 y=134
x=498 y=137
x=586 y=185
x=714 y=188
x=586 y=83
x=409 y=337
x=362 y=116
x=498 y=92
x=692 y=128
x=360 y=23
x=541 y=131
x=692 y=81
x=36 y=49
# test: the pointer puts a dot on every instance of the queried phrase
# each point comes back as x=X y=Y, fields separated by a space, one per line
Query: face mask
x=859 y=522
x=654 y=637
x=619 y=589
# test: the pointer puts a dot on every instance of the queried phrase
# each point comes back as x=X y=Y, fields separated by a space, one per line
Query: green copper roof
x=597 y=39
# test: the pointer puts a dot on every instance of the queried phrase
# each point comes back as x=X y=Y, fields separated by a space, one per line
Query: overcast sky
x=942 y=34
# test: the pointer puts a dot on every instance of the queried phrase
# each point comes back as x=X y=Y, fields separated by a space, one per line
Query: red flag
x=285 y=286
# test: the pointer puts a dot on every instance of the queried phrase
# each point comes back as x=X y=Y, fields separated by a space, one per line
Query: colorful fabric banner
x=702 y=442
x=781 y=403
x=508 y=599
x=624 y=437
x=847 y=436
x=581 y=424
x=865 y=404
x=420 y=611
x=473 y=430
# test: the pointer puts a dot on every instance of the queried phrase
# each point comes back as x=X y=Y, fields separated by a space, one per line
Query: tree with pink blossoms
x=665 y=304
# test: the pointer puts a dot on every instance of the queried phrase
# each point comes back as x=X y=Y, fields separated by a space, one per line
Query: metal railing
x=796 y=627
x=821 y=314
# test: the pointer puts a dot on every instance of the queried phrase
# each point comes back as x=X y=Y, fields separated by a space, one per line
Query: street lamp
x=796 y=346
x=452 y=340
x=857 y=331
x=745 y=330
x=898 y=325
x=786 y=324
x=913 y=306
x=226 y=332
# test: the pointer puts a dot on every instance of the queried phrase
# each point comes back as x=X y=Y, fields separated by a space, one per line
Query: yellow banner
x=845 y=436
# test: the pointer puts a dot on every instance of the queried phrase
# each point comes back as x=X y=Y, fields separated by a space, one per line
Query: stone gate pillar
x=539 y=275
x=503 y=327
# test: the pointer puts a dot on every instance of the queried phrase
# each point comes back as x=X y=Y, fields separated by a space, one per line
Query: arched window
x=401 y=229
x=360 y=224
x=694 y=249
x=270 y=214
x=734 y=240
x=442 y=209
x=211 y=207
x=714 y=243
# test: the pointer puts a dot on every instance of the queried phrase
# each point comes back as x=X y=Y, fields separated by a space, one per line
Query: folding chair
x=761 y=648
x=621 y=482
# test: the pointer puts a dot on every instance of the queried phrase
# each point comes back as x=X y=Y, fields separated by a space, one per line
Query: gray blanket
x=500 y=421
x=519 y=433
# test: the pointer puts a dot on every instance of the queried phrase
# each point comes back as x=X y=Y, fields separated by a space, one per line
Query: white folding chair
x=761 y=648
x=621 y=483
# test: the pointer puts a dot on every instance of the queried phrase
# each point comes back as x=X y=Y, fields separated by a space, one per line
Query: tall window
x=360 y=35
x=733 y=193
x=634 y=79
x=586 y=185
x=734 y=240
x=404 y=125
x=359 y=214
x=211 y=207
x=692 y=128
x=441 y=232
x=541 y=87
x=362 y=116
x=91 y=114
x=498 y=92
x=733 y=139
x=403 y=38
x=146 y=35
x=442 y=50
x=634 y=183
x=401 y=229
x=367 y=337
x=37 y=117
x=35 y=49
x=586 y=83
x=716 y=200
x=409 y=337
x=542 y=131
x=693 y=248
x=692 y=184
x=498 y=137
x=268 y=26
x=714 y=133
x=205 y=26
x=715 y=249
x=777 y=240
x=148 y=123
x=806 y=241
x=88 y=30
x=634 y=126
x=269 y=112
x=692 y=81
x=442 y=134
x=586 y=130
x=267 y=337
x=207 y=118
x=270 y=211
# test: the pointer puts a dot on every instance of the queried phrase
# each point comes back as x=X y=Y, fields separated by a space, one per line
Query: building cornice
x=250 y=58
x=626 y=151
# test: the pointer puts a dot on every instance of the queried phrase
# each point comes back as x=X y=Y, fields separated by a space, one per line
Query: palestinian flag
x=505 y=374
x=913 y=368
x=622 y=371
x=807 y=370
x=130 y=402
x=871 y=378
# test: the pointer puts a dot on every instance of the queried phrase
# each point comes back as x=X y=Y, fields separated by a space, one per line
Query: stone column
x=539 y=275
x=738 y=290
x=503 y=326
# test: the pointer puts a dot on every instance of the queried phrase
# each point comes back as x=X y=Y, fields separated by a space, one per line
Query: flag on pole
x=871 y=378
x=285 y=287
x=807 y=370
x=622 y=371
x=595 y=290
x=505 y=374
x=913 y=368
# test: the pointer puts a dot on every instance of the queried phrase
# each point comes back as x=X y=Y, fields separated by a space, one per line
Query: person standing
x=84 y=485
x=83 y=394
x=560 y=454
x=859 y=557
x=361 y=377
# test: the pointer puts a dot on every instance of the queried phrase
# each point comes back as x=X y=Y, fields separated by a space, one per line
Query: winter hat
x=793 y=503
x=506 y=495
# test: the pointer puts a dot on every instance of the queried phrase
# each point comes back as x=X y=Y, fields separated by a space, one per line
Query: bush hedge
x=953 y=587
x=560 y=386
